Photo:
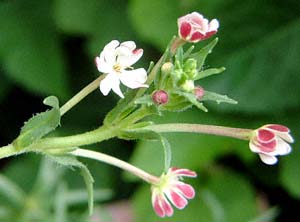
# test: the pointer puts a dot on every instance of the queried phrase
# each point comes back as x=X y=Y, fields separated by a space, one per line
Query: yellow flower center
x=117 y=67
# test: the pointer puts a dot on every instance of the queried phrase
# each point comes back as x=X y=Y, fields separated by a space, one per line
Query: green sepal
x=201 y=55
x=39 y=125
x=71 y=162
x=218 y=98
x=179 y=55
x=187 y=53
x=145 y=100
x=209 y=72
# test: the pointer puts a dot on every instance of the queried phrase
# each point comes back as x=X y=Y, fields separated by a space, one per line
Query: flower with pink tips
x=194 y=27
x=171 y=190
x=270 y=141
x=116 y=60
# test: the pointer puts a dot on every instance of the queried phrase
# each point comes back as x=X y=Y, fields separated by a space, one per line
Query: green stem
x=116 y=162
x=134 y=117
x=9 y=150
x=98 y=135
x=238 y=133
x=80 y=95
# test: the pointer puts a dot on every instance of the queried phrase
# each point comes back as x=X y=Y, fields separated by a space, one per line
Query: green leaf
x=71 y=162
x=39 y=125
x=217 y=97
x=32 y=56
x=208 y=72
x=192 y=99
x=201 y=55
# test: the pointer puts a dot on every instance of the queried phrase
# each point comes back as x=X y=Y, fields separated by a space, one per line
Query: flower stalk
x=238 y=133
x=80 y=95
x=116 y=162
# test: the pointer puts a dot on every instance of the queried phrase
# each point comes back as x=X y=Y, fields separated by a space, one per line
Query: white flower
x=115 y=60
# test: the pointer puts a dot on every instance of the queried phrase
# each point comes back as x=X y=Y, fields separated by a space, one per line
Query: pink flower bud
x=270 y=141
x=194 y=27
x=160 y=97
x=198 y=92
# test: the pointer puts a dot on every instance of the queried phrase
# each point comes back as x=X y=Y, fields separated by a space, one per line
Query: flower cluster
x=171 y=189
x=270 y=141
x=175 y=89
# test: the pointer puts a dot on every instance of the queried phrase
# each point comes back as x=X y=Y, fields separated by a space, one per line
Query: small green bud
x=188 y=86
x=190 y=68
x=167 y=68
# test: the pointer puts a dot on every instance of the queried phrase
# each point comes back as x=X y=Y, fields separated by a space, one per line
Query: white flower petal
x=129 y=44
x=253 y=147
x=127 y=60
x=286 y=136
x=267 y=159
x=213 y=25
x=102 y=65
x=105 y=85
x=117 y=90
x=282 y=148
x=109 y=52
x=134 y=78
x=111 y=81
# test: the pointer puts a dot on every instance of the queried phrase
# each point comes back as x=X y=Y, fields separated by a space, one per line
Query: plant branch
x=91 y=137
x=9 y=150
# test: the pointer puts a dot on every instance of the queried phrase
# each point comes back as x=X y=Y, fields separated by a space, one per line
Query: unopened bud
x=167 y=67
x=198 y=92
x=190 y=68
x=160 y=97
x=188 y=86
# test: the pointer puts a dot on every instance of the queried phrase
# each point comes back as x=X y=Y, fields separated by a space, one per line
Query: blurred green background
x=47 y=47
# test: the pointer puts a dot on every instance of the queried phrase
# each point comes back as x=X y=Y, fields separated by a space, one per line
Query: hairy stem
x=115 y=162
x=91 y=137
x=9 y=150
